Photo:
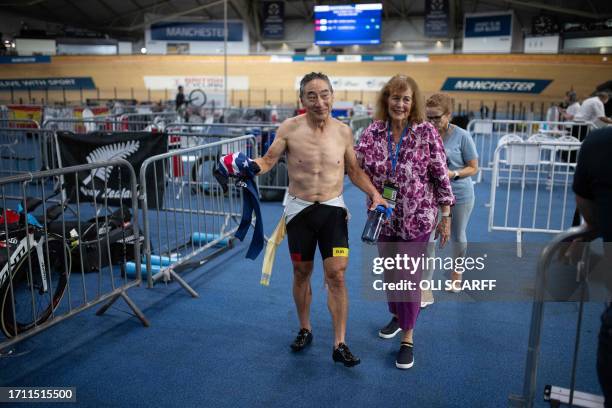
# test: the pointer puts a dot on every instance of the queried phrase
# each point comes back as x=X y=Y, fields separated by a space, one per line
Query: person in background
x=592 y=109
x=593 y=188
x=181 y=103
x=462 y=160
x=573 y=106
x=404 y=157
x=179 y=100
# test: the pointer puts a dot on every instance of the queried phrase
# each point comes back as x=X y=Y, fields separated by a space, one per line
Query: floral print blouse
x=421 y=174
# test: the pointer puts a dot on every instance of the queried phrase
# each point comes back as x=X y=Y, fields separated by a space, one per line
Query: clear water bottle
x=374 y=224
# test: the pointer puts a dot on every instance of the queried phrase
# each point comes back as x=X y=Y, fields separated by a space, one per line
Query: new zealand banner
x=112 y=182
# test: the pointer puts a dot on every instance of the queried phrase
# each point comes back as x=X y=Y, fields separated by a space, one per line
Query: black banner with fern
x=112 y=183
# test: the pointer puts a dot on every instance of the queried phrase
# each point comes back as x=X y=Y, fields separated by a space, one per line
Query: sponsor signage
x=273 y=20
x=37 y=59
x=48 y=83
x=396 y=57
x=207 y=83
x=495 y=25
x=196 y=31
x=353 y=83
x=314 y=58
x=524 y=86
x=436 y=18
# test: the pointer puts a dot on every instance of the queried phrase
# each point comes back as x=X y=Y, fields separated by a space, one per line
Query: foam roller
x=130 y=269
x=201 y=238
x=157 y=260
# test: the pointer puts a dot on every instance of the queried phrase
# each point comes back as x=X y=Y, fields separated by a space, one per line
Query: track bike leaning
x=36 y=259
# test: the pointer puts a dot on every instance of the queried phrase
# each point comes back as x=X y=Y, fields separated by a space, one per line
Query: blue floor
x=229 y=347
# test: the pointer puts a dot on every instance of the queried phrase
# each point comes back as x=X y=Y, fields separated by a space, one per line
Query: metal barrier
x=550 y=252
x=272 y=185
x=152 y=117
x=531 y=184
x=97 y=124
x=487 y=133
x=192 y=217
x=21 y=147
x=103 y=124
x=58 y=260
x=358 y=124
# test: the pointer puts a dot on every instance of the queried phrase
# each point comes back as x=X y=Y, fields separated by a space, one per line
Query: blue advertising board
x=35 y=59
x=497 y=25
x=394 y=57
x=48 y=83
x=314 y=58
x=523 y=86
x=196 y=31
x=273 y=19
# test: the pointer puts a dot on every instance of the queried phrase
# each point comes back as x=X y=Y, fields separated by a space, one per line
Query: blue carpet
x=229 y=347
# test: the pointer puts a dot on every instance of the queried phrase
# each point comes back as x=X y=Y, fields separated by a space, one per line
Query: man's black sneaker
x=390 y=330
x=405 y=356
x=303 y=339
x=343 y=354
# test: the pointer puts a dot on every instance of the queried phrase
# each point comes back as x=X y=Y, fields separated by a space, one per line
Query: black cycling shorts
x=322 y=224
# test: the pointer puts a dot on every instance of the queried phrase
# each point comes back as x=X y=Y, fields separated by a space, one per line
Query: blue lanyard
x=395 y=156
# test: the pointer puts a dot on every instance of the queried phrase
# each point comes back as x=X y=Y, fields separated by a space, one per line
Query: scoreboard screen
x=356 y=24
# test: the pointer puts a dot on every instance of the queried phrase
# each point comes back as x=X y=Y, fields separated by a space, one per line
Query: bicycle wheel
x=28 y=304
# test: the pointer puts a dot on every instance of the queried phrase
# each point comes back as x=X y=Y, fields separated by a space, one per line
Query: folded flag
x=240 y=166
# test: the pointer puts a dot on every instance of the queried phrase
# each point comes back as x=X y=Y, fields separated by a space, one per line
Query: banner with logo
x=488 y=32
x=36 y=59
x=48 y=83
x=273 y=19
x=112 y=183
x=494 y=25
x=196 y=31
x=436 y=18
x=206 y=83
x=353 y=83
x=524 y=86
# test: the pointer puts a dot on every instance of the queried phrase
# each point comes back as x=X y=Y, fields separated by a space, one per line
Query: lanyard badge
x=390 y=193
x=390 y=188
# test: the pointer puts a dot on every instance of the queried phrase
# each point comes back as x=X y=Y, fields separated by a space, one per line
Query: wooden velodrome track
x=123 y=75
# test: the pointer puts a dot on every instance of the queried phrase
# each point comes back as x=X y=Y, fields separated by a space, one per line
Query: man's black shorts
x=322 y=224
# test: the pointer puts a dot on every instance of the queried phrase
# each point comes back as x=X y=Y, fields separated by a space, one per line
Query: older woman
x=462 y=161
x=404 y=158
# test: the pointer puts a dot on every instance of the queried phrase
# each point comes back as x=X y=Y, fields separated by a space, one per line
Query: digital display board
x=356 y=24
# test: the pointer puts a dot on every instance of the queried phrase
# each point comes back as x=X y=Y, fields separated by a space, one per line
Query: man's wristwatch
x=447 y=215
x=455 y=175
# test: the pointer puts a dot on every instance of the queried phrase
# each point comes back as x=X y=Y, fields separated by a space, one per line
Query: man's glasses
x=434 y=118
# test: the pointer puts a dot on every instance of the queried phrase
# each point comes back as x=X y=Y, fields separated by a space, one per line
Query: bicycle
x=36 y=260
x=31 y=284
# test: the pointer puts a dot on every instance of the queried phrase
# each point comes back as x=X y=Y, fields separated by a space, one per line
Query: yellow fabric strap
x=273 y=242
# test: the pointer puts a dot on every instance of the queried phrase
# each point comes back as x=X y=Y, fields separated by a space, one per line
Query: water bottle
x=373 y=226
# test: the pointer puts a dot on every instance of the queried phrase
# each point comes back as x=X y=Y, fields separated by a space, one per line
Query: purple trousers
x=407 y=303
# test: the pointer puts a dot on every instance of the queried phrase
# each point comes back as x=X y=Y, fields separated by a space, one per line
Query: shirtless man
x=319 y=148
